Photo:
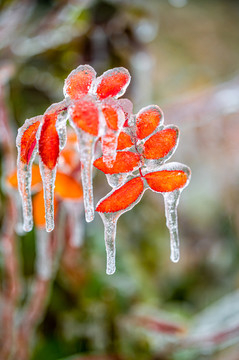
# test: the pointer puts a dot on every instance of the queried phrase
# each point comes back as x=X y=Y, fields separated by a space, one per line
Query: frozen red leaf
x=166 y=180
x=79 y=81
x=85 y=115
x=125 y=162
x=160 y=144
x=28 y=142
x=112 y=83
x=123 y=197
x=147 y=120
x=124 y=141
x=111 y=116
x=49 y=141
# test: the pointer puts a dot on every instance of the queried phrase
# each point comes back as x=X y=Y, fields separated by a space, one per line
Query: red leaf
x=79 y=81
x=28 y=142
x=49 y=141
x=111 y=116
x=160 y=144
x=123 y=197
x=125 y=162
x=112 y=83
x=124 y=141
x=166 y=180
x=147 y=120
x=85 y=115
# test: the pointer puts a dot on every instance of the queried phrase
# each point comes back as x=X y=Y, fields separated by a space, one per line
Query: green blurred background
x=183 y=55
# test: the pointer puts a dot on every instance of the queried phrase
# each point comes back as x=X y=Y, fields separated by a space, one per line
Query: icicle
x=43 y=254
x=171 y=201
x=110 y=223
x=48 y=179
x=24 y=174
x=86 y=148
x=75 y=214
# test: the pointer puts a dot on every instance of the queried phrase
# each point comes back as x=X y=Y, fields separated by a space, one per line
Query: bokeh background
x=183 y=55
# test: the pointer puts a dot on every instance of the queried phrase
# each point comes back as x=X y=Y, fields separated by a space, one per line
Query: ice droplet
x=86 y=149
x=171 y=201
x=43 y=257
x=48 y=179
x=110 y=223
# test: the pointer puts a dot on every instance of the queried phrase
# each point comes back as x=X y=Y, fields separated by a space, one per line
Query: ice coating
x=26 y=145
x=171 y=201
x=79 y=82
x=48 y=179
x=112 y=83
x=43 y=257
x=61 y=129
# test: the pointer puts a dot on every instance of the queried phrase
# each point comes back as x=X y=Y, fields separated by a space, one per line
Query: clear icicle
x=43 y=254
x=171 y=201
x=24 y=174
x=110 y=223
x=75 y=212
x=86 y=148
x=48 y=179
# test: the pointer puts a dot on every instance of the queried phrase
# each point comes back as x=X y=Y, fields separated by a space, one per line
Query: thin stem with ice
x=171 y=201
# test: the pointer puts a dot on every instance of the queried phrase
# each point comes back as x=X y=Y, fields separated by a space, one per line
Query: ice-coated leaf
x=49 y=141
x=66 y=187
x=111 y=207
x=124 y=141
x=26 y=145
x=85 y=115
x=126 y=161
x=147 y=120
x=166 y=180
x=28 y=141
x=112 y=83
x=122 y=197
x=162 y=144
x=79 y=81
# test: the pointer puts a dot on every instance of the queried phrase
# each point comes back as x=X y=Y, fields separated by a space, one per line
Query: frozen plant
x=134 y=150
